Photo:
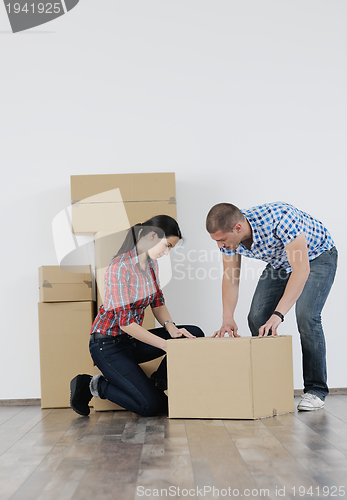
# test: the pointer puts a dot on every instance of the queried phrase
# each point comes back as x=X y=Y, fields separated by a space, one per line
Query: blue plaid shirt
x=274 y=225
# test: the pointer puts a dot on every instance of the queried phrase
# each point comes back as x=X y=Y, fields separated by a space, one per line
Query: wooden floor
x=55 y=454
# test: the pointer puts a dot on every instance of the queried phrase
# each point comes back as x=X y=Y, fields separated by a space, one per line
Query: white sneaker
x=310 y=402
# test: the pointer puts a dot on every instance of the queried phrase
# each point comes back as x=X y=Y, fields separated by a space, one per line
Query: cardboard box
x=115 y=202
x=133 y=187
x=230 y=378
x=105 y=404
x=57 y=285
x=64 y=329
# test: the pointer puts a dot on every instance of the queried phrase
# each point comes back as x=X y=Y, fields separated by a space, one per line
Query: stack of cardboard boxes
x=66 y=312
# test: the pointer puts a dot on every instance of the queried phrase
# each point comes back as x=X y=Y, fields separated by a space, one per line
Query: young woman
x=118 y=341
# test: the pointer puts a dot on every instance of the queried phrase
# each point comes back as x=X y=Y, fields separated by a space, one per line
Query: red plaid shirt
x=129 y=289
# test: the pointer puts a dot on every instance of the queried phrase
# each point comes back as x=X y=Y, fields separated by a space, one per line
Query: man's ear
x=237 y=228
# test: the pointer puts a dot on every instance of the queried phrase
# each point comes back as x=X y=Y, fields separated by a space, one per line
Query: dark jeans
x=269 y=291
x=124 y=382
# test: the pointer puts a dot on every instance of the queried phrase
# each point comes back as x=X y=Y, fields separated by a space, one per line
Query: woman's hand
x=178 y=332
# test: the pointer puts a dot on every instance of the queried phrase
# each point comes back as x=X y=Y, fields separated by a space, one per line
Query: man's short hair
x=223 y=217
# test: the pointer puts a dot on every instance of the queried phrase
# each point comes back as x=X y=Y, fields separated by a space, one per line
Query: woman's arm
x=140 y=333
x=162 y=314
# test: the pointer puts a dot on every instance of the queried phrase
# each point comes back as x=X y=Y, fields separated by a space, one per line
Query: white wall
x=244 y=100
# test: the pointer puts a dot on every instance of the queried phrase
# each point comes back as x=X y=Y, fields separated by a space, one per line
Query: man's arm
x=297 y=255
x=230 y=294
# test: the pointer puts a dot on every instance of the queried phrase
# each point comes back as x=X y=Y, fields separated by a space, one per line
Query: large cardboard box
x=230 y=378
x=61 y=285
x=64 y=329
x=115 y=202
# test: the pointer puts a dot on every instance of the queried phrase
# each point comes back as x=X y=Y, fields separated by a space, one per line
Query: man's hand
x=272 y=323
x=229 y=327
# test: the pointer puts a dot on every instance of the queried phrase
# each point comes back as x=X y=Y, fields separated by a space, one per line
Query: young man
x=302 y=261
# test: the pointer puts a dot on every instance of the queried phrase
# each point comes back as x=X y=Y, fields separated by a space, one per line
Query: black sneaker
x=80 y=394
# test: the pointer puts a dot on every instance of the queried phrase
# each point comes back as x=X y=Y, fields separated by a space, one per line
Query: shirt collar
x=136 y=260
x=254 y=223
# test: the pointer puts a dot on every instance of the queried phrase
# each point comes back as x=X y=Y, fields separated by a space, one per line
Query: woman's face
x=161 y=246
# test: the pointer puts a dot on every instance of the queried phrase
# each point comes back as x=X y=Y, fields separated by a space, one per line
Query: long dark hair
x=163 y=225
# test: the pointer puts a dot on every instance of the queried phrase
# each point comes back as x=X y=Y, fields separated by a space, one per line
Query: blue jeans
x=123 y=381
x=309 y=305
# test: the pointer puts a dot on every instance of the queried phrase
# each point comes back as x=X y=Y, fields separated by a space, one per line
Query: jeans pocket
x=107 y=344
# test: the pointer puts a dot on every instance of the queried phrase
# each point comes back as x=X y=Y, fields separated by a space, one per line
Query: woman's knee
x=150 y=403
x=149 y=410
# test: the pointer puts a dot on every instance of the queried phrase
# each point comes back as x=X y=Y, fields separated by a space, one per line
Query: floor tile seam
x=13 y=416
x=315 y=432
x=91 y=460
x=341 y=397
x=9 y=418
x=333 y=415
x=188 y=446
x=139 y=466
x=24 y=433
x=48 y=412
x=245 y=463
x=44 y=456
x=317 y=435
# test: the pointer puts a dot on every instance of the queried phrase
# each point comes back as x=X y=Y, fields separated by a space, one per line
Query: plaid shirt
x=129 y=289
x=275 y=225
